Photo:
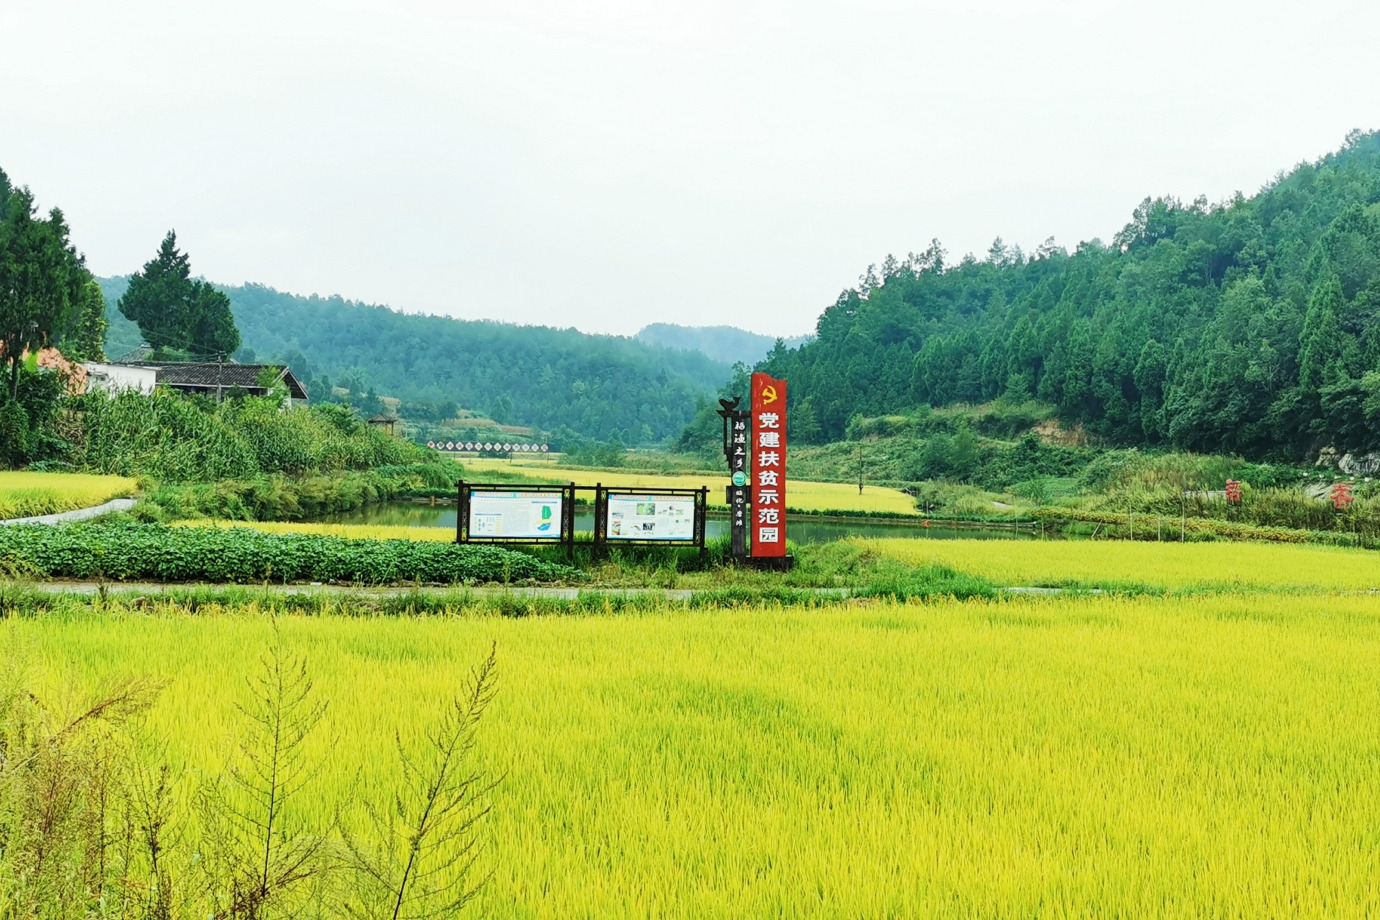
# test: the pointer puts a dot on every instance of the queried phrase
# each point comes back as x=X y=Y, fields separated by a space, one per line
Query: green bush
x=123 y=551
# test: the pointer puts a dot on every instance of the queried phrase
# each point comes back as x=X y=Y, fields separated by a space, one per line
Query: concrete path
x=81 y=514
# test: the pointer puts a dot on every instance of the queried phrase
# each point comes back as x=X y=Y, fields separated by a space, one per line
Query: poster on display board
x=634 y=516
x=516 y=515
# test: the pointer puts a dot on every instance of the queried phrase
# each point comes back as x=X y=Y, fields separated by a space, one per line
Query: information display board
x=516 y=515
x=650 y=516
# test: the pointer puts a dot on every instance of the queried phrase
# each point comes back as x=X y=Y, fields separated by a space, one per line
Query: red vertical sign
x=768 y=466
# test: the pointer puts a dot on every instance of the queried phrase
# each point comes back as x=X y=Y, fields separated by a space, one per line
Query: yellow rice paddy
x=1107 y=563
x=25 y=494
x=1211 y=756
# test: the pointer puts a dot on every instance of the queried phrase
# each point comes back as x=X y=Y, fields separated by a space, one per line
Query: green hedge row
x=154 y=552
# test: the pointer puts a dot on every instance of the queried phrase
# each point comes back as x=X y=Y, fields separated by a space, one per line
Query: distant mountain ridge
x=727 y=344
x=598 y=386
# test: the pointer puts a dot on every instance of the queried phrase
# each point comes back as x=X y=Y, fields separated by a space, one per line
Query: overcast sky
x=609 y=164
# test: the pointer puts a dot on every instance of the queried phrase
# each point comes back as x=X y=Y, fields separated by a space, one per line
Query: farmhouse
x=215 y=379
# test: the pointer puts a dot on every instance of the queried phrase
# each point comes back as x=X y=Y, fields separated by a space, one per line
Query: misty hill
x=727 y=344
x=597 y=385
x=1252 y=325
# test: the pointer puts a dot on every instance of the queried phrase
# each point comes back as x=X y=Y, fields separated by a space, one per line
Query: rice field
x=800 y=495
x=1057 y=756
x=25 y=494
x=1108 y=563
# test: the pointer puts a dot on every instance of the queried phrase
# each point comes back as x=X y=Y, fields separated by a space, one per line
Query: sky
x=609 y=164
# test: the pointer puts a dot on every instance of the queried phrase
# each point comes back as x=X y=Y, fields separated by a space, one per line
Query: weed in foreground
x=95 y=820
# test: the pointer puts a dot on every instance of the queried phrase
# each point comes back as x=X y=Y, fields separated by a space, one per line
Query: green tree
x=501 y=409
x=176 y=312
x=1323 y=345
x=41 y=278
x=803 y=423
x=86 y=340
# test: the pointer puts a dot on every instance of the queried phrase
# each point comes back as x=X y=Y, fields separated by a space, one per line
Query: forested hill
x=600 y=386
x=1251 y=326
x=728 y=344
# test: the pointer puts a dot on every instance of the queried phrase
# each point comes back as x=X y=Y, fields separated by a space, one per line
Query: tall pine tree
x=176 y=313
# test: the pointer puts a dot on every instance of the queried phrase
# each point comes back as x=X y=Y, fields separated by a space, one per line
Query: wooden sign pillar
x=739 y=494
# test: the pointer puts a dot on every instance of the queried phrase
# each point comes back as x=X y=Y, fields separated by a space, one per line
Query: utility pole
x=860 y=466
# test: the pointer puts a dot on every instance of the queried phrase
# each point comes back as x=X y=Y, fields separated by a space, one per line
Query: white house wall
x=120 y=378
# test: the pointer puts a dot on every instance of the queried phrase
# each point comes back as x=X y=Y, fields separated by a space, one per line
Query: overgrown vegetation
x=176 y=439
x=246 y=458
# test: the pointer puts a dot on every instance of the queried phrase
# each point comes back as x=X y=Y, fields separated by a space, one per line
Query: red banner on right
x=768 y=466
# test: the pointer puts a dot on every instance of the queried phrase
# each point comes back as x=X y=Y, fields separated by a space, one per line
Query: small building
x=120 y=378
x=215 y=380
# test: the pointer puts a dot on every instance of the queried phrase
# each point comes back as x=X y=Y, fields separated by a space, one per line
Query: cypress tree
x=175 y=312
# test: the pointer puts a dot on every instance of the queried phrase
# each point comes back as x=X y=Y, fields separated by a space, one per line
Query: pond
x=803 y=528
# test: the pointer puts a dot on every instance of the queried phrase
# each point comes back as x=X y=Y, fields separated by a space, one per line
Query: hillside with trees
x=1249 y=326
x=727 y=344
x=605 y=387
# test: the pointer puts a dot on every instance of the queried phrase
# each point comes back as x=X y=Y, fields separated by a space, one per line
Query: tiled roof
x=244 y=376
x=137 y=356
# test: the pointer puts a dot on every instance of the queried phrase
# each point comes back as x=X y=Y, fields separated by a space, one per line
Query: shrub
x=130 y=552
